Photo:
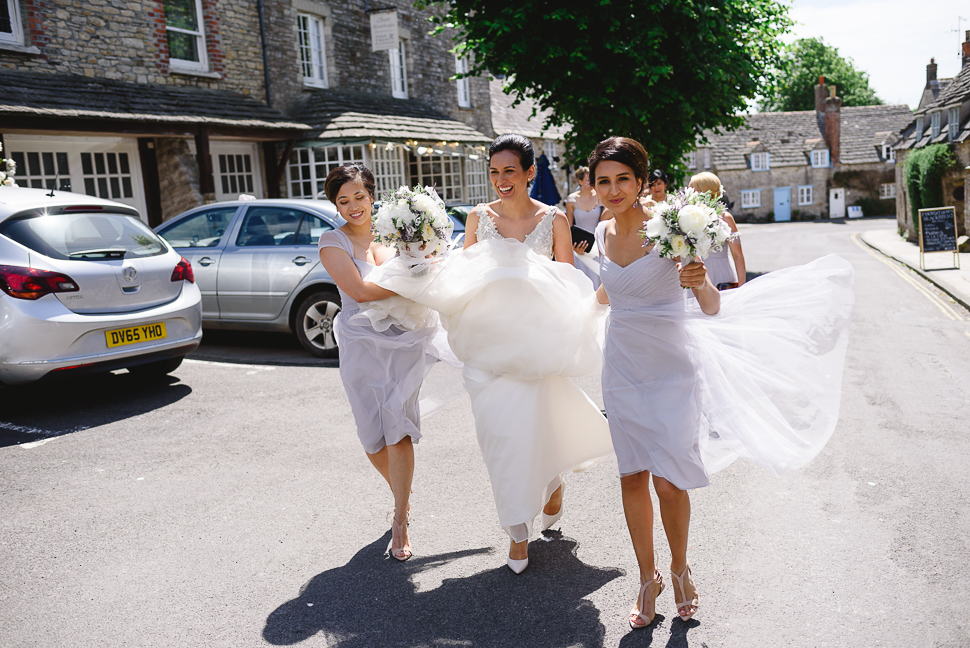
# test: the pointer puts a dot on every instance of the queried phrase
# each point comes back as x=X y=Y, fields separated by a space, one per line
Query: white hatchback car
x=86 y=286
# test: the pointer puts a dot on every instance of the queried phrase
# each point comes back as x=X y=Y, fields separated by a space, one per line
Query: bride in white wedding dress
x=524 y=326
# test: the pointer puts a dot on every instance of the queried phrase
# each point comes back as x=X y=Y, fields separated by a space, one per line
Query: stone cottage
x=943 y=116
x=807 y=164
x=165 y=104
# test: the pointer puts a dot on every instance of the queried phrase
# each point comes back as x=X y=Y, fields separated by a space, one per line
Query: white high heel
x=549 y=520
x=518 y=566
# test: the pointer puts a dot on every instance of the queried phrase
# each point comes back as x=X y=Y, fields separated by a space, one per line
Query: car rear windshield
x=84 y=236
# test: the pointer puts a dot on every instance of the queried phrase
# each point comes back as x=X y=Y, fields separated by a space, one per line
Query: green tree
x=660 y=71
x=796 y=76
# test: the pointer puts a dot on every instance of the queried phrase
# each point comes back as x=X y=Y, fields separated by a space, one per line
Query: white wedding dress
x=524 y=326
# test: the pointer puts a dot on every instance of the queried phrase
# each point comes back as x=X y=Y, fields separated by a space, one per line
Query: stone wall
x=956 y=178
x=178 y=176
x=126 y=40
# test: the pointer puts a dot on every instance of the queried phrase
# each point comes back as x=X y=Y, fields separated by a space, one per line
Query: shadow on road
x=248 y=347
x=371 y=601
x=40 y=411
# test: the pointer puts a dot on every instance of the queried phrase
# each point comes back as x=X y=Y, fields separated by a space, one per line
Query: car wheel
x=314 y=323
x=156 y=369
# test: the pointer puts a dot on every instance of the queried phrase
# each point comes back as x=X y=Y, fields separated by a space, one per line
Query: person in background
x=725 y=272
x=584 y=210
x=656 y=189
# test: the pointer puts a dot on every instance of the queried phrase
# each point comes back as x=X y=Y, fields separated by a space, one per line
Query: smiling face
x=616 y=185
x=507 y=175
x=353 y=202
x=658 y=190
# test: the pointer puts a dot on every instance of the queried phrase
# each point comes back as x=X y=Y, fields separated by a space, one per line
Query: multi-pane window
x=888 y=153
x=820 y=158
x=313 y=56
x=953 y=123
x=759 y=161
x=464 y=88
x=707 y=158
x=399 y=71
x=309 y=167
x=476 y=180
x=750 y=198
x=387 y=163
x=887 y=191
x=106 y=175
x=42 y=169
x=805 y=195
x=935 y=123
x=443 y=172
x=691 y=160
x=919 y=128
x=235 y=173
x=11 y=31
x=186 y=40
x=551 y=150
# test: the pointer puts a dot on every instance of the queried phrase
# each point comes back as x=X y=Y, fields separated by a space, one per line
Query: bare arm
x=570 y=218
x=601 y=295
x=562 y=239
x=471 y=229
x=694 y=276
x=344 y=273
x=735 y=247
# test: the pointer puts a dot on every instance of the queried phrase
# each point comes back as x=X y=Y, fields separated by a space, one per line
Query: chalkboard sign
x=938 y=229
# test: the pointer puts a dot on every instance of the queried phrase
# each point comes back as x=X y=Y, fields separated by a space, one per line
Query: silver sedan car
x=257 y=265
x=86 y=286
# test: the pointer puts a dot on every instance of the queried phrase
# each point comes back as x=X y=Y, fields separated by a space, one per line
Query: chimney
x=931 y=72
x=821 y=92
x=966 y=50
x=833 y=125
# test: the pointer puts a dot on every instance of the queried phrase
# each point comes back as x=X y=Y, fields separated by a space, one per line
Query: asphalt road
x=231 y=505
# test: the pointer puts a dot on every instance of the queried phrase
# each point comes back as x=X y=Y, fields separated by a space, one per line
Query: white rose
x=656 y=227
x=9 y=183
x=384 y=224
x=424 y=204
x=703 y=247
x=678 y=245
x=427 y=232
x=693 y=219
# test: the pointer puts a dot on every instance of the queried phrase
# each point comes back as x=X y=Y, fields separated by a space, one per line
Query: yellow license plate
x=135 y=334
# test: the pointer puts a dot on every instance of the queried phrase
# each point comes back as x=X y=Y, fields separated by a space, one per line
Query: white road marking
x=253 y=368
x=45 y=435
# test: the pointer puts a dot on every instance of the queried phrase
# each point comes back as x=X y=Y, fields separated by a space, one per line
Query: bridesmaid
x=382 y=371
x=726 y=272
x=584 y=210
x=650 y=385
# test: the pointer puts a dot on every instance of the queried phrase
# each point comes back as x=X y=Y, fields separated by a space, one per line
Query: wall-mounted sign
x=383 y=30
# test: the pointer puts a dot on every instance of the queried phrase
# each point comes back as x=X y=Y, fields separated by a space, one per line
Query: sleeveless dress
x=587 y=220
x=381 y=371
x=688 y=393
x=523 y=325
x=720 y=266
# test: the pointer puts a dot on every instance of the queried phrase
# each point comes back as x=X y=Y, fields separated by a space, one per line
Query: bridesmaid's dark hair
x=623 y=150
x=348 y=173
x=658 y=174
x=518 y=144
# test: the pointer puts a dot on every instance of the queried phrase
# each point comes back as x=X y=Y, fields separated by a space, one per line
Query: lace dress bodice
x=539 y=239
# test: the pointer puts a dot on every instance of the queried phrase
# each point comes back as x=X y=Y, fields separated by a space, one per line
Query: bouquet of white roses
x=415 y=222
x=688 y=224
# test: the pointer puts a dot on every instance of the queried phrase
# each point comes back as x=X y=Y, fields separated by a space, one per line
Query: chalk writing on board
x=938 y=229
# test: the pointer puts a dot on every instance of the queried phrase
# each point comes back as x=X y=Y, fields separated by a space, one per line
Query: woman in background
x=725 y=272
x=584 y=210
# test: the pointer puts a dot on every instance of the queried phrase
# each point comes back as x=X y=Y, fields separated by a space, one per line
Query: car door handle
x=301 y=260
x=206 y=261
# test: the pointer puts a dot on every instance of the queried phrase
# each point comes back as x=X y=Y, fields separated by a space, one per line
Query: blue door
x=783 y=204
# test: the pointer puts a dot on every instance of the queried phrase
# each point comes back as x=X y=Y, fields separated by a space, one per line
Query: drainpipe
x=262 y=39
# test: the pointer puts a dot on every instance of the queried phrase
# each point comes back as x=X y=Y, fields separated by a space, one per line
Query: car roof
x=17 y=199
x=325 y=205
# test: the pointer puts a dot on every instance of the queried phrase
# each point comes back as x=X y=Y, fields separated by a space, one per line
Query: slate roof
x=956 y=91
x=789 y=137
x=518 y=119
x=69 y=95
x=353 y=115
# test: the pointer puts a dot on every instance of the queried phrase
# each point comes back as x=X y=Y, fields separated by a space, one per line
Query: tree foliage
x=923 y=173
x=796 y=76
x=659 y=71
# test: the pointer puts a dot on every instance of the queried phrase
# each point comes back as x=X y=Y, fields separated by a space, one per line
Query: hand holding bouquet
x=415 y=222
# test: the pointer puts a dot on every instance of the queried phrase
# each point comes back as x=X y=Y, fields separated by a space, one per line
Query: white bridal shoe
x=518 y=566
x=549 y=520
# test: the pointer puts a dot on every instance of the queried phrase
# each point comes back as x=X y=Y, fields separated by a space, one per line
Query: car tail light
x=28 y=283
x=183 y=271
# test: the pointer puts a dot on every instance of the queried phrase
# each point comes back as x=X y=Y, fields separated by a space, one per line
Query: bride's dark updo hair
x=518 y=144
x=348 y=173
x=623 y=150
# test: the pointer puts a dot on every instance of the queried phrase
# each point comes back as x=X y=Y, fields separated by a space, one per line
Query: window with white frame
x=919 y=128
x=309 y=167
x=399 y=71
x=691 y=160
x=887 y=191
x=464 y=87
x=313 y=54
x=551 y=150
x=707 y=158
x=888 y=153
x=953 y=123
x=806 y=195
x=186 y=40
x=441 y=171
x=820 y=159
x=759 y=162
x=11 y=29
x=107 y=175
x=235 y=167
x=42 y=169
x=935 y=123
x=387 y=163
x=476 y=179
x=750 y=198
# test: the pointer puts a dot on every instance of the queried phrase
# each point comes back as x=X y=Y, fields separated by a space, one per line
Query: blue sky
x=892 y=40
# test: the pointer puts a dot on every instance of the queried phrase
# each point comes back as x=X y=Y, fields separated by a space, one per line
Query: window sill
x=17 y=47
x=195 y=73
x=315 y=86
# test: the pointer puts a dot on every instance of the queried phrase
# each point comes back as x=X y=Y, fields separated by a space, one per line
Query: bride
x=523 y=325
